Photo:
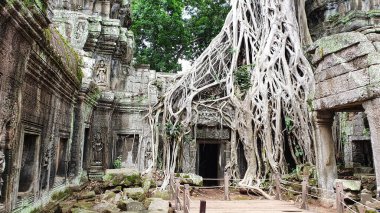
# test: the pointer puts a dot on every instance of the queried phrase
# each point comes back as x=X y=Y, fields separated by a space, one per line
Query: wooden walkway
x=242 y=206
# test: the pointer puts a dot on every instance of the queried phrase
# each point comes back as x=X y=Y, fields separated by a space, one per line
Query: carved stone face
x=102 y=64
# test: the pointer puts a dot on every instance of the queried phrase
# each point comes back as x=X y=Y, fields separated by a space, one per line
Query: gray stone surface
x=189 y=178
x=135 y=193
x=159 y=205
x=135 y=206
x=349 y=185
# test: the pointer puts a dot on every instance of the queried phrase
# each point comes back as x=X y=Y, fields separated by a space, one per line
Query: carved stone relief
x=2 y=167
x=101 y=72
x=97 y=147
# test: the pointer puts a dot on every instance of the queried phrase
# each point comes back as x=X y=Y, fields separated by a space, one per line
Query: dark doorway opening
x=208 y=162
x=85 y=149
x=242 y=161
x=362 y=153
x=61 y=158
x=28 y=163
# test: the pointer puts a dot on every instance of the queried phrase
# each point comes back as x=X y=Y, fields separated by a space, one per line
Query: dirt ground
x=218 y=194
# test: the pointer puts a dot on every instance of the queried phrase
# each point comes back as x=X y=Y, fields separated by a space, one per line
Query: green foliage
x=243 y=77
x=366 y=132
x=117 y=162
x=41 y=4
x=63 y=52
x=169 y=30
x=158 y=84
x=172 y=130
x=298 y=151
x=288 y=123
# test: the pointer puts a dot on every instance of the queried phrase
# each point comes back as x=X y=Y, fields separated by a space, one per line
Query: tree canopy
x=169 y=30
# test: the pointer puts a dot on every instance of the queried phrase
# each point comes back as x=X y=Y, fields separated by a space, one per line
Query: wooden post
x=171 y=186
x=339 y=197
x=305 y=183
x=278 y=189
x=186 y=200
x=202 y=208
x=226 y=186
x=177 y=204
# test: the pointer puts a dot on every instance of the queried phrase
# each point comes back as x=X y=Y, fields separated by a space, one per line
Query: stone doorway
x=86 y=148
x=28 y=164
x=208 y=163
x=61 y=160
x=127 y=147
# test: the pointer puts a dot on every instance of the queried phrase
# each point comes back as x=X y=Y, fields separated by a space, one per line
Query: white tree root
x=262 y=37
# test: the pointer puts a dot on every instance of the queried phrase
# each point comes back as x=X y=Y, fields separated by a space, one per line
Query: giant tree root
x=255 y=76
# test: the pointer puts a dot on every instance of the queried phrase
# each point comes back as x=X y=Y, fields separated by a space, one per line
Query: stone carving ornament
x=2 y=168
x=97 y=147
x=101 y=72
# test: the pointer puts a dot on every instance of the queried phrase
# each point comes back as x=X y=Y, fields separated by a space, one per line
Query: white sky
x=186 y=65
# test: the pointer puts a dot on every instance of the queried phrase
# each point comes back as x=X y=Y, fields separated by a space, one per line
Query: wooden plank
x=246 y=206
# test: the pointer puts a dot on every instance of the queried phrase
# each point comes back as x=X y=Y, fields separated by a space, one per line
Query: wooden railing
x=175 y=189
x=339 y=195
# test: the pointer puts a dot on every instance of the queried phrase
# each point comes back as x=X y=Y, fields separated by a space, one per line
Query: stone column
x=354 y=4
x=106 y=8
x=373 y=115
x=326 y=163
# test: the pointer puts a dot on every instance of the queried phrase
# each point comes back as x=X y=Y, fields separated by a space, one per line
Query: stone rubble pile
x=122 y=190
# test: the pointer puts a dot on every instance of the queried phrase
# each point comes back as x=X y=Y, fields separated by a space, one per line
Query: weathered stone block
x=349 y=185
x=346 y=55
x=334 y=43
x=374 y=73
x=86 y=195
x=121 y=177
x=342 y=99
x=342 y=83
x=135 y=193
x=135 y=206
x=373 y=36
x=189 y=178
x=339 y=69
x=159 y=205
x=161 y=194
x=364 y=197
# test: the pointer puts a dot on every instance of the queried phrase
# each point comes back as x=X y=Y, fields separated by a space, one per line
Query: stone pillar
x=106 y=8
x=373 y=115
x=326 y=163
x=371 y=4
x=354 y=5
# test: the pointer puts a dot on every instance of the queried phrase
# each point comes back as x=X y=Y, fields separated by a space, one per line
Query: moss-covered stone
x=122 y=177
x=83 y=205
x=109 y=195
x=334 y=43
x=148 y=201
x=61 y=194
x=135 y=193
x=162 y=194
x=148 y=183
x=189 y=178
x=79 y=210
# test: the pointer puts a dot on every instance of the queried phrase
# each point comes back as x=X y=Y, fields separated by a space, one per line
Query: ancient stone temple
x=346 y=56
x=71 y=99
x=73 y=103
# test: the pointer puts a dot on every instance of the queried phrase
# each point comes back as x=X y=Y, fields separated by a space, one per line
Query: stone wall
x=347 y=79
x=40 y=78
x=347 y=68
x=327 y=17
